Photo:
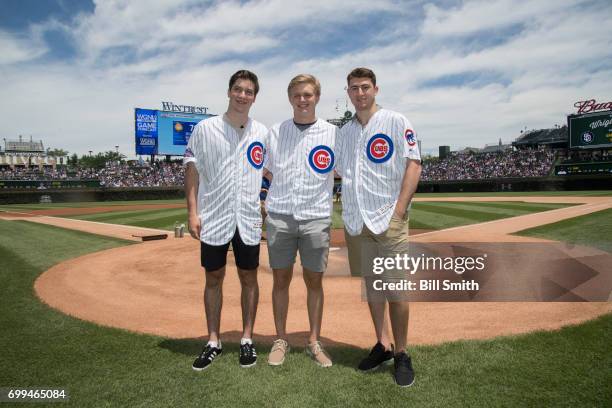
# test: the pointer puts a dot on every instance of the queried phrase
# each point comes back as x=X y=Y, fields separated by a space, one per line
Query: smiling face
x=241 y=96
x=362 y=93
x=303 y=99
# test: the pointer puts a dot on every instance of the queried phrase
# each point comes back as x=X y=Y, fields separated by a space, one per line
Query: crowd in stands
x=457 y=166
x=473 y=166
x=33 y=173
x=159 y=174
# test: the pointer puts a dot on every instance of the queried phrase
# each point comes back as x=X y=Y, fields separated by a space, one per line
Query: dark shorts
x=214 y=257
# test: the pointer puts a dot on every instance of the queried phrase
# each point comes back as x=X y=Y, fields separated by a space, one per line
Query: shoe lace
x=248 y=349
x=279 y=344
x=316 y=348
x=208 y=352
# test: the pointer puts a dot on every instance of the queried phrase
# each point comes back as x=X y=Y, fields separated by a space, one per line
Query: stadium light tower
x=117 y=148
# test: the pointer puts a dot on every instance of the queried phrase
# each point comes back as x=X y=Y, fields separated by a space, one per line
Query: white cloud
x=16 y=49
x=562 y=54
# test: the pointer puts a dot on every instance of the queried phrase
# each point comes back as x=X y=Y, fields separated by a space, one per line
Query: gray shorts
x=286 y=236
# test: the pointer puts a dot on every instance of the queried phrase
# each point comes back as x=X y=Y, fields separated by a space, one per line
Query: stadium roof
x=24 y=145
x=542 y=137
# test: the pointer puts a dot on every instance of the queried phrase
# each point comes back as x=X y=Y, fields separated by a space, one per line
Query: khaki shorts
x=365 y=247
x=286 y=236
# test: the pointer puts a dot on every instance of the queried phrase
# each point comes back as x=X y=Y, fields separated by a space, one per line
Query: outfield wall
x=91 y=194
x=570 y=183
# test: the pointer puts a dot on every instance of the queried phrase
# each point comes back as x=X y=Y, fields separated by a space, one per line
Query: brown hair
x=305 y=79
x=244 y=74
x=362 y=73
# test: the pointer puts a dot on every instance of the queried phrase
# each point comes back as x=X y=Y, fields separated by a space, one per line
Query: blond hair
x=305 y=79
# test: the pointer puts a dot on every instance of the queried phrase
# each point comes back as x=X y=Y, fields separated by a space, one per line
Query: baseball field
x=88 y=308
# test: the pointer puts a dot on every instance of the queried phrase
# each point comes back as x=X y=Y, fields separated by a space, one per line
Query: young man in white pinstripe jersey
x=300 y=156
x=224 y=160
x=380 y=165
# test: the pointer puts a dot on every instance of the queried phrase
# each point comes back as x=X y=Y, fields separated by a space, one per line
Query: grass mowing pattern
x=427 y=215
x=591 y=230
x=161 y=219
x=441 y=215
x=88 y=204
x=110 y=367
x=583 y=193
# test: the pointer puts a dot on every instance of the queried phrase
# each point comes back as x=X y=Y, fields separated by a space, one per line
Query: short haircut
x=305 y=79
x=362 y=73
x=244 y=74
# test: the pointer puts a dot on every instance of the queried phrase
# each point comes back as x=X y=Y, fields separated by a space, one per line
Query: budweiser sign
x=591 y=105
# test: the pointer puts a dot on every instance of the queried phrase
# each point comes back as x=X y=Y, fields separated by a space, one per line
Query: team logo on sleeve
x=255 y=154
x=321 y=159
x=189 y=152
x=409 y=135
x=379 y=148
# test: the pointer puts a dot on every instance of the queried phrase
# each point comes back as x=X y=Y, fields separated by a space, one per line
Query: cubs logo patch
x=379 y=148
x=189 y=153
x=255 y=154
x=321 y=159
x=409 y=135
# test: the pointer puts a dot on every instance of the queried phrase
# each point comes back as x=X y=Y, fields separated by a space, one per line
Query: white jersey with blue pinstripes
x=230 y=169
x=372 y=161
x=302 y=164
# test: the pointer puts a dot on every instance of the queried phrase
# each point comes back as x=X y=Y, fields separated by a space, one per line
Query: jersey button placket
x=359 y=158
x=296 y=180
x=236 y=180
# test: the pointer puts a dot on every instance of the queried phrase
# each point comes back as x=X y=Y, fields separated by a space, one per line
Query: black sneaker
x=206 y=357
x=404 y=374
x=248 y=355
x=376 y=358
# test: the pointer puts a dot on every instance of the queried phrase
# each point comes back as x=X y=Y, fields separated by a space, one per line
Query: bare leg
x=399 y=313
x=280 y=299
x=213 y=302
x=314 y=302
x=381 y=327
x=249 y=298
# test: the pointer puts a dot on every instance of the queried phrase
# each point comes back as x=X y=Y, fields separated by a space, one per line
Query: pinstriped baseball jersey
x=230 y=170
x=372 y=162
x=302 y=164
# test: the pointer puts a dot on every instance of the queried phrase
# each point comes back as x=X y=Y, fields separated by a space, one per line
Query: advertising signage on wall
x=591 y=130
x=163 y=132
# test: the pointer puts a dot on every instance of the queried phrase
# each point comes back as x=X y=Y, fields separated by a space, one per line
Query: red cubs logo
x=321 y=159
x=255 y=154
x=379 y=148
x=409 y=135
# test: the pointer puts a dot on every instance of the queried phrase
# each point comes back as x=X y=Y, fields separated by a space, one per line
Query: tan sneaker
x=280 y=348
x=320 y=356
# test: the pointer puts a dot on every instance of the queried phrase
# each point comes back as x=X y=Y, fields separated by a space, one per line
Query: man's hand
x=409 y=186
x=191 y=194
x=194 y=226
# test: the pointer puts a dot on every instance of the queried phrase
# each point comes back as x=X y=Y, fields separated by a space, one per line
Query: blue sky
x=466 y=73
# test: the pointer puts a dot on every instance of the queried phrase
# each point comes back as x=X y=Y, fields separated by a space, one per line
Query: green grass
x=161 y=219
x=583 y=193
x=589 y=230
x=109 y=367
x=86 y=204
x=427 y=215
x=441 y=215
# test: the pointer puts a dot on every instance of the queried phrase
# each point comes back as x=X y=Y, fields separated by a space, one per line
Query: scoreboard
x=590 y=130
x=163 y=132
